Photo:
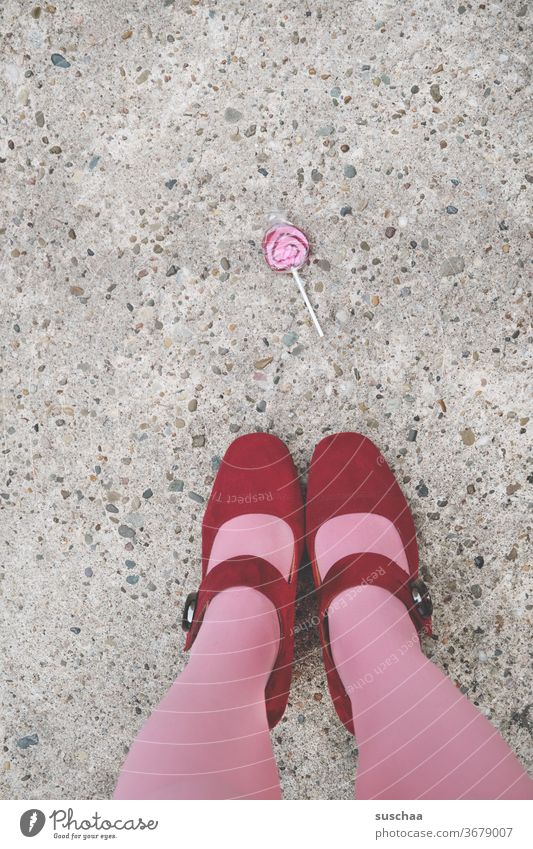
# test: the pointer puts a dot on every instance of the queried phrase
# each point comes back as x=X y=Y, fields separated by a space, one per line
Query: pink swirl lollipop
x=286 y=248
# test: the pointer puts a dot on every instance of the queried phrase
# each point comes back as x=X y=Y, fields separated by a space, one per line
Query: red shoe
x=256 y=475
x=349 y=475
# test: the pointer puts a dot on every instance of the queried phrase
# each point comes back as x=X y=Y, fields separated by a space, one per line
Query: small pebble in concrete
x=468 y=436
x=232 y=116
x=435 y=92
x=59 y=61
x=29 y=740
x=452 y=265
x=196 y=497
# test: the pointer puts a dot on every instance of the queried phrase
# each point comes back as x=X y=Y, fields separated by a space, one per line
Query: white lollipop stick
x=307 y=301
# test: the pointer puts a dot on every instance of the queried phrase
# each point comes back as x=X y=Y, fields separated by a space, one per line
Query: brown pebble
x=468 y=436
x=389 y=232
x=434 y=90
x=263 y=362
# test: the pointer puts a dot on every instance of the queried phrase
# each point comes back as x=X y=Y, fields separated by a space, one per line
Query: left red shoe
x=256 y=475
x=349 y=475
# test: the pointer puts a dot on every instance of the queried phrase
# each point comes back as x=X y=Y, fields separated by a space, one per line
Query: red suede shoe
x=349 y=475
x=256 y=475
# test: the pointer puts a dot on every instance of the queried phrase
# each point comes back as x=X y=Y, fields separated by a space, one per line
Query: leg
x=209 y=737
x=418 y=736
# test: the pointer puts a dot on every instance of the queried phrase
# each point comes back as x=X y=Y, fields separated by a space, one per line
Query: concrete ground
x=142 y=145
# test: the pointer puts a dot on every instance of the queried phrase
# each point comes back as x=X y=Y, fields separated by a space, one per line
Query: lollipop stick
x=307 y=301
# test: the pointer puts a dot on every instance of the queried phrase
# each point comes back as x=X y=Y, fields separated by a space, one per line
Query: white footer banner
x=197 y=825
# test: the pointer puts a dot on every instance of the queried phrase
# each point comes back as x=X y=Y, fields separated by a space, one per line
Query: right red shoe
x=256 y=475
x=348 y=475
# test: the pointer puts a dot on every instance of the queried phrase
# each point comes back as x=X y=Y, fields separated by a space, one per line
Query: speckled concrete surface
x=141 y=146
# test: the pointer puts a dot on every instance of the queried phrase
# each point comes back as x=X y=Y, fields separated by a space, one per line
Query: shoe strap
x=241 y=571
x=376 y=570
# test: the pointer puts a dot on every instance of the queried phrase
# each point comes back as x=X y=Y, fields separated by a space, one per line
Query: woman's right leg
x=209 y=737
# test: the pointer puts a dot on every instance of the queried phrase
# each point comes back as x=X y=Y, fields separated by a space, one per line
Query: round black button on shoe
x=421 y=598
x=189 y=609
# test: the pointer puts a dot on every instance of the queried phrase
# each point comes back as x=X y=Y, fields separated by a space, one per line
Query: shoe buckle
x=421 y=597
x=189 y=609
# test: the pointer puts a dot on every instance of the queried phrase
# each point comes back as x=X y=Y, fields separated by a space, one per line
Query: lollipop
x=286 y=248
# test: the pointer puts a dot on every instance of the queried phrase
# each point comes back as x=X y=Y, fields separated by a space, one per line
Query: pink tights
x=208 y=738
x=418 y=736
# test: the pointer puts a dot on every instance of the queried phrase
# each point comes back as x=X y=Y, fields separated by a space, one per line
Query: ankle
x=238 y=640
x=370 y=632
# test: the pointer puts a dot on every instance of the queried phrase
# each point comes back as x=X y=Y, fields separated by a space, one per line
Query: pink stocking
x=209 y=737
x=418 y=736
